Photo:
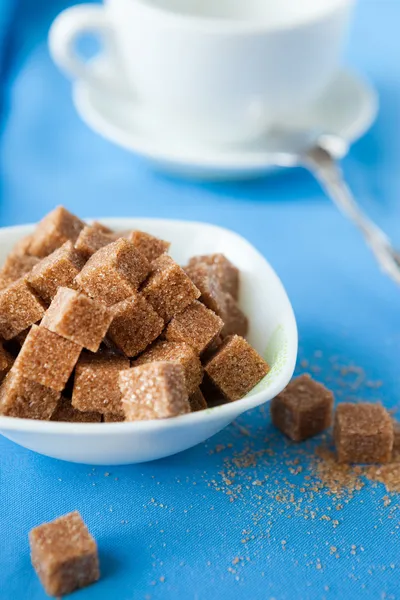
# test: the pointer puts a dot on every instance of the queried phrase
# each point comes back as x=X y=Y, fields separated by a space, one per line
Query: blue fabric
x=169 y=529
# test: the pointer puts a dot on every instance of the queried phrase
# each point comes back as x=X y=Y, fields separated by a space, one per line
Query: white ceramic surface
x=348 y=107
x=214 y=73
x=273 y=333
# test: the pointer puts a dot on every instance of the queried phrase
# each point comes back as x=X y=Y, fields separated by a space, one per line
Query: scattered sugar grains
x=277 y=478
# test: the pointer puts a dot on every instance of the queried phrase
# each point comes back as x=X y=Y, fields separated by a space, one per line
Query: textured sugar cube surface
x=58 y=269
x=236 y=368
x=197 y=325
x=114 y=272
x=303 y=409
x=21 y=397
x=19 y=308
x=177 y=352
x=205 y=279
x=226 y=272
x=53 y=231
x=96 y=382
x=363 y=433
x=114 y=417
x=135 y=325
x=47 y=358
x=64 y=411
x=235 y=321
x=92 y=238
x=151 y=247
x=197 y=401
x=6 y=362
x=154 y=391
x=64 y=555
x=16 y=266
x=78 y=318
x=168 y=289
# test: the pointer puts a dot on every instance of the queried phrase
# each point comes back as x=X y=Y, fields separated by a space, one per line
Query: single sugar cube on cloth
x=26 y=399
x=78 y=318
x=177 y=352
x=64 y=555
x=16 y=266
x=236 y=368
x=64 y=411
x=154 y=391
x=53 y=231
x=151 y=247
x=363 y=433
x=47 y=358
x=197 y=325
x=96 y=382
x=6 y=362
x=235 y=321
x=135 y=325
x=114 y=272
x=58 y=269
x=197 y=401
x=168 y=289
x=92 y=238
x=303 y=409
x=226 y=272
x=19 y=308
x=114 y=417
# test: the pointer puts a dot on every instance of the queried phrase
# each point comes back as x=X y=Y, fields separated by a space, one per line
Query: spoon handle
x=329 y=174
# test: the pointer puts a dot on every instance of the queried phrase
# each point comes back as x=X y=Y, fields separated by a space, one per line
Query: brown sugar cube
x=235 y=321
x=180 y=353
x=64 y=555
x=19 y=308
x=205 y=279
x=58 y=269
x=168 y=289
x=197 y=325
x=16 y=266
x=6 y=362
x=96 y=382
x=211 y=350
x=76 y=317
x=303 y=409
x=26 y=399
x=114 y=272
x=152 y=247
x=92 y=238
x=114 y=417
x=226 y=273
x=363 y=433
x=47 y=358
x=135 y=325
x=236 y=368
x=197 y=401
x=154 y=391
x=66 y=412
x=53 y=231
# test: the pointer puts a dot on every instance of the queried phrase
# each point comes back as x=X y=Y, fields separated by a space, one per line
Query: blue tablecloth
x=219 y=521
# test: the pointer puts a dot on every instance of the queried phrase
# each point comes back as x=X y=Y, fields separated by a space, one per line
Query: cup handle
x=66 y=29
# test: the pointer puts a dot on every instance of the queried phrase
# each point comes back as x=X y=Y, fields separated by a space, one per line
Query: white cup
x=220 y=71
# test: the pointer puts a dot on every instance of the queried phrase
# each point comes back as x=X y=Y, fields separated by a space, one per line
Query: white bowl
x=273 y=333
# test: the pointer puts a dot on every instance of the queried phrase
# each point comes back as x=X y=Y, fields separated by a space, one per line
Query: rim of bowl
x=230 y=410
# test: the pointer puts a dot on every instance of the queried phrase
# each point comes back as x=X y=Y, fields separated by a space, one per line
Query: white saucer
x=348 y=108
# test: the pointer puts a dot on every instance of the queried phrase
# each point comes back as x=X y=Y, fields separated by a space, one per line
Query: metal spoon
x=320 y=153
